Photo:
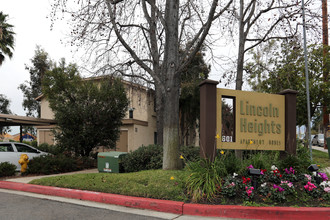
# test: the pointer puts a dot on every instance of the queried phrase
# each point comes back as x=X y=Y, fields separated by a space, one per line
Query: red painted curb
x=128 y=201
x=180 y=208
x=231 y=211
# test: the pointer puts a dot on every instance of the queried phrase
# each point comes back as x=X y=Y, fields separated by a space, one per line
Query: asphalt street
x=20 y=207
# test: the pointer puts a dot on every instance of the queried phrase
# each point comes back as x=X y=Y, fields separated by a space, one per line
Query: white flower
x=325 y=183
x=274 y=167
x=263 y=185
x=314 y=173
x=234 y=175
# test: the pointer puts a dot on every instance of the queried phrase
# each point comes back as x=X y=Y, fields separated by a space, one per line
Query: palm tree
x=6 y=38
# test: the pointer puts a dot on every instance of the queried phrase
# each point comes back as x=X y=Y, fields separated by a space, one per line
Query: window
x=6 y=148
x=24 y=148
x=155 y=137
x=228 y=119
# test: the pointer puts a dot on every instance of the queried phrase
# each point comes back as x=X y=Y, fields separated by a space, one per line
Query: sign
x=250 y=120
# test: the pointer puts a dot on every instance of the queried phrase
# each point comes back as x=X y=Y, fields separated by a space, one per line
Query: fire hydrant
x=24 y=160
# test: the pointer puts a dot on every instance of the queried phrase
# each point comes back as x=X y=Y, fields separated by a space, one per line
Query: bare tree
x=141 y=39
x=256 y=22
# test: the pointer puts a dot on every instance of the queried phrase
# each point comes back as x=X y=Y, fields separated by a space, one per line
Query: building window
x=155 y=137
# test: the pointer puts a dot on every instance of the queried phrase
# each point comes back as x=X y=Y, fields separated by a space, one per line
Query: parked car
x=318 y=140
x=11 y=152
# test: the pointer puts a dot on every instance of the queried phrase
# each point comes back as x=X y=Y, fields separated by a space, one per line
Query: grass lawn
x=159 y=184
x=321 y=158
x=169 y=185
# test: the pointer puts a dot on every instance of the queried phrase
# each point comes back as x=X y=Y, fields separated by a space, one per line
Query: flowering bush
x=229 y=189
x=248 y=193
x=323 y=176
x=289 y=174
x=275 y=186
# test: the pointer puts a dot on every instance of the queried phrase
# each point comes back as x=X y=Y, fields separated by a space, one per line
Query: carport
x=15 y=120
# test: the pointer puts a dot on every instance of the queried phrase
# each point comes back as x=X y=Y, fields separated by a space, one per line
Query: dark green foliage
x=4 y=109
x=7 y=169
x=191 y=76
x=51 y=164
x=190 y=153
x=88 y=113
x=6 y=38
x=231 y=163
x=52 y=149
x=300 y=162
x=144 y=158
x=151 y=157
x=32 y=89
x=205 y=178
x=286 y=70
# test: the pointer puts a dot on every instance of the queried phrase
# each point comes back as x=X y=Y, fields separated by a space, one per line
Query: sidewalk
x=27 y=179
x=320 y=149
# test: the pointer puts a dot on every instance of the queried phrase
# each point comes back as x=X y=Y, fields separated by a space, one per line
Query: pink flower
x=290 y=171
x=250 y=167
x=327 y=189
x=279 y=189
x=289 y=184
x=323 y=176
x=249 y=190
x=308 y=177
x=310 y=186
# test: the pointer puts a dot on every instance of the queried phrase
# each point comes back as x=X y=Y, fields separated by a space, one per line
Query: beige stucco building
x=139 y=124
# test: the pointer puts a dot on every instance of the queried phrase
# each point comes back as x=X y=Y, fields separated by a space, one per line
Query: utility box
x=108 y=162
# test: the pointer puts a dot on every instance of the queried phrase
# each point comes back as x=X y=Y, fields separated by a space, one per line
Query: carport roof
x=15 y=120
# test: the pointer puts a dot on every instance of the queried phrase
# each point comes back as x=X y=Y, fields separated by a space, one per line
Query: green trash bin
x=108 y=162
x=328 y=144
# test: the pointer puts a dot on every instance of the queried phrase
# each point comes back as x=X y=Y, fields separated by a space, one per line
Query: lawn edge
x=175 y=207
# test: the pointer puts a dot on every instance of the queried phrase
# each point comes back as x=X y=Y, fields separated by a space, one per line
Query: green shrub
x=85 y=163
x=52 y=149
x=7 y=169
x=190 y=153
x=259 y=160
x=52 y=164
x=231 y=163
x=144 y=158
x=205 y=178
x=299 y=162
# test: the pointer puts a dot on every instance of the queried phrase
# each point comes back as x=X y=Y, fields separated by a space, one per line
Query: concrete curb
x=231 y=211
x=180 y=208
x=128 y=201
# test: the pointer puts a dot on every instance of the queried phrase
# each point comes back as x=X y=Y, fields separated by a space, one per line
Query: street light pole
x=307 y=81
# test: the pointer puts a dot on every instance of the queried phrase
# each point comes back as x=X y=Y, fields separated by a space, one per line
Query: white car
x=12 y=151
x=318 y=140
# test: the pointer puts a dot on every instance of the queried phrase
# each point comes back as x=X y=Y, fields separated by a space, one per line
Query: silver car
x=11 y=152
x=318 y=140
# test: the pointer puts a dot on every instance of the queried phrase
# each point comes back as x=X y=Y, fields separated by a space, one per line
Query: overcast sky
x=32 y=27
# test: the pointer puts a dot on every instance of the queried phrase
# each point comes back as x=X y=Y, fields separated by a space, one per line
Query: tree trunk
x=171 y=128
x=160 y=113
x=172 y=85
